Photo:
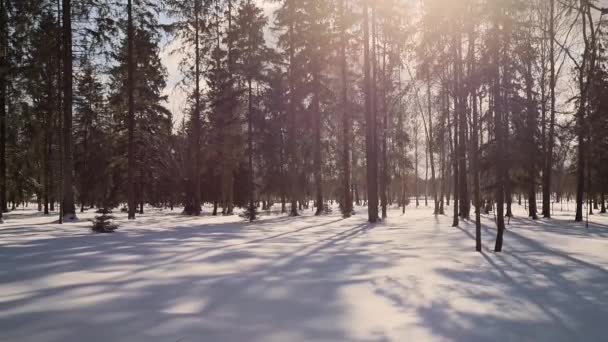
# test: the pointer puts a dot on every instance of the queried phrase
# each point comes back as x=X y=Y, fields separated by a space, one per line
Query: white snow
x=167 y=277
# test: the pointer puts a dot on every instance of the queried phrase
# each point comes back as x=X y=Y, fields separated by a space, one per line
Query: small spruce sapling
x=104 y=223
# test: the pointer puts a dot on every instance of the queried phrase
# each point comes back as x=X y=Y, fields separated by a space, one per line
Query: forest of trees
x=468 y=105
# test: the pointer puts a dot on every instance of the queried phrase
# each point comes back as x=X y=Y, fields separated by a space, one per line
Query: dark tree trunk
x=456 y=124
x=384 y=178
x=548 y=165
x=57 y=120
x=68 y=208
x=318 y=174
x=347 y=201
x=465 y=206
x=131 y=202
x=455 y=179
x=426 y=172
x=141 y=188
x=416 y=188
x=196 y=116
x=3 y=95
x=580 y=172
x=431 y=143
x=475 y=140
x=442 y=157
x=586 y=70
x=499 y=130
x=250 y=148
x=370 y=127
x=291 y=116
x=48 y=178
x=531 y=128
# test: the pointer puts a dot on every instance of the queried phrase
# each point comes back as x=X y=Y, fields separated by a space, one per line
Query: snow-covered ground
x=166 y=277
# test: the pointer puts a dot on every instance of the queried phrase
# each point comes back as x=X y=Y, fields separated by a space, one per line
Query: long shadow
x=290 y=263
x=287 y=233
x=554 y=296
x=112 y=243
x=564 y=227
x=247 y=299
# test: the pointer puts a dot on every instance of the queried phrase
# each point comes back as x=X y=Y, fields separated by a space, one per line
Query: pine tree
x=250 y=57
x=191 y=25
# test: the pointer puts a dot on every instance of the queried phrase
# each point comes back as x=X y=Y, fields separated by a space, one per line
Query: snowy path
x=171 y=278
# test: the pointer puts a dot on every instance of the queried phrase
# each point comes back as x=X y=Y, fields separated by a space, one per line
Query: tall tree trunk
x=374 y=94
x=475 y=139
x=47 y=162
x=291 y=115
x=68 y=207
x=347 y=201
x=3 y=95
x=455 y=179
x=282 y=189
x=456 y=124
x=499 y=130
x=227 y=130
x=431 y=140
x=141 y=187
x=531 y=125
x=370 y=126
x=58 y=119
x=581 y=118
x=250 y=147
x=443 y=154
x=449 y=145
x=318 y=174
x=195 y=175
x=464 y=202
x=131 y=115
x=384 y=178
x=416 y=188
x=548 y=164
x=426 y=171
x=401 y=148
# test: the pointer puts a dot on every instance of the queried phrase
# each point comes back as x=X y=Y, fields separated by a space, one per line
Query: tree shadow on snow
x=220 y=282
x=529 y=292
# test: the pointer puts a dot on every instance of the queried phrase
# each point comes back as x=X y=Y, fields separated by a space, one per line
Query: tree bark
x=585 y=71
x=370 y=126
x=196 y=116
x=531 y=128
x=318 y=174
x=291 y=116
x=132 y=206
x=475 y=139
x=347 y=201
x=464 y=202
x=498 y=129
x=384 y=178
x=3 y=95
x=68 y=208
x=416 y=188
x=431 y=140
x=250 y=147
x=456 y=124
x=548 y=165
